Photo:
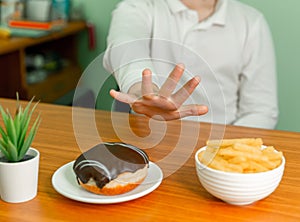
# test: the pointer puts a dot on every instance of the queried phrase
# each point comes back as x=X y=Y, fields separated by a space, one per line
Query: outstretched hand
x=163 y=104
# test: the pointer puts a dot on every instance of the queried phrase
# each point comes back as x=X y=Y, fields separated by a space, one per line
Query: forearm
x=128 y=52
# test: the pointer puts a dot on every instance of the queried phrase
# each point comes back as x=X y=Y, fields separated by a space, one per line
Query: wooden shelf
x=55 y=85
x=16 y=43
x=13 y=69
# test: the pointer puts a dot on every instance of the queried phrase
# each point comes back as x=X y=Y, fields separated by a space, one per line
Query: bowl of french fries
x=239 y=171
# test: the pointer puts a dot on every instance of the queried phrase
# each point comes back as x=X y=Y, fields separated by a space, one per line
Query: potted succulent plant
x=19 y=162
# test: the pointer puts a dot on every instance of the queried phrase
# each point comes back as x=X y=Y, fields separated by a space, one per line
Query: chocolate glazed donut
x=111 y=168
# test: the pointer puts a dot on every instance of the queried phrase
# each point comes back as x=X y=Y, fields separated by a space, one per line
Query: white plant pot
x=19 y=181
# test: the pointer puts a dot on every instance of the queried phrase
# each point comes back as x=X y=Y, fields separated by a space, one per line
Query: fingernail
x=197 y=78
x=181 y=66
x=147 y=72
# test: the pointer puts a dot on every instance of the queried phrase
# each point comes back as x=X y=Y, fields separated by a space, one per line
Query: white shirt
x=232 y=51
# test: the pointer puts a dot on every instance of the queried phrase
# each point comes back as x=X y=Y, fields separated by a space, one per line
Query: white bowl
x=238 y=188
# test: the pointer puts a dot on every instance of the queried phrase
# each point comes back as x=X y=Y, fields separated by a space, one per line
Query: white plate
x=64 y=182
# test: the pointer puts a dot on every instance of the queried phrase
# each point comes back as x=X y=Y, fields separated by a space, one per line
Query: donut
x=111 y=168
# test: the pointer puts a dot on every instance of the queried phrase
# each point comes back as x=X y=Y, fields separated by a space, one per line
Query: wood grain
x=180 y=197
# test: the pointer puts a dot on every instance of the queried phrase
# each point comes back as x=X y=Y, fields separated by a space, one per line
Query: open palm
x=163 y=103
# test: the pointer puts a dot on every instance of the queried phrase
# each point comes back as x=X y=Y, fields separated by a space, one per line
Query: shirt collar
x=218 y=18
x=176 y=6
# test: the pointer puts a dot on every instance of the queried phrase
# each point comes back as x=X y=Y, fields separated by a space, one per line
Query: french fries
x=245 y=155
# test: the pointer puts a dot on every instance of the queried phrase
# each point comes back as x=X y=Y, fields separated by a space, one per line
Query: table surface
x=65 y=132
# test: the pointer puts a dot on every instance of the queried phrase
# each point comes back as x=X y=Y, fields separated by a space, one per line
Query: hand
x=163 y=104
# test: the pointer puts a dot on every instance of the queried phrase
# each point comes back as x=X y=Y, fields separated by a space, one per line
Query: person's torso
x=212 y=49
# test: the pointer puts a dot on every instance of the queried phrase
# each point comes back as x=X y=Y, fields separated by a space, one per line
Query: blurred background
x=283 y=18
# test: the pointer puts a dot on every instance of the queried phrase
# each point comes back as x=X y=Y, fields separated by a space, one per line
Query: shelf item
x=38 y=10
x=36 y=25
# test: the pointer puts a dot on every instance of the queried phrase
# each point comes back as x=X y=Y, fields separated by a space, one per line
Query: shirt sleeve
x=258 y=105
x=128 y=43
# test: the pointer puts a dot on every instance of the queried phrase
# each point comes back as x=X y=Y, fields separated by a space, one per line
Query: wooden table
x=180 y=197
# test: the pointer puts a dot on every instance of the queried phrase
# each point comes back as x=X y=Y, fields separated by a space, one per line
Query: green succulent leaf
x=24 y=121
x=3 y=146
x=29 y=138
x=24 y=124
x=3 y=134
x=26 y=113
x=18 y=125
x=11 y=131
x=4 y=115
x=13 y=151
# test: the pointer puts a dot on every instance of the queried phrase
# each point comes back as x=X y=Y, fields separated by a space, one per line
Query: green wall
x=283 y=18
x=98 y=13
